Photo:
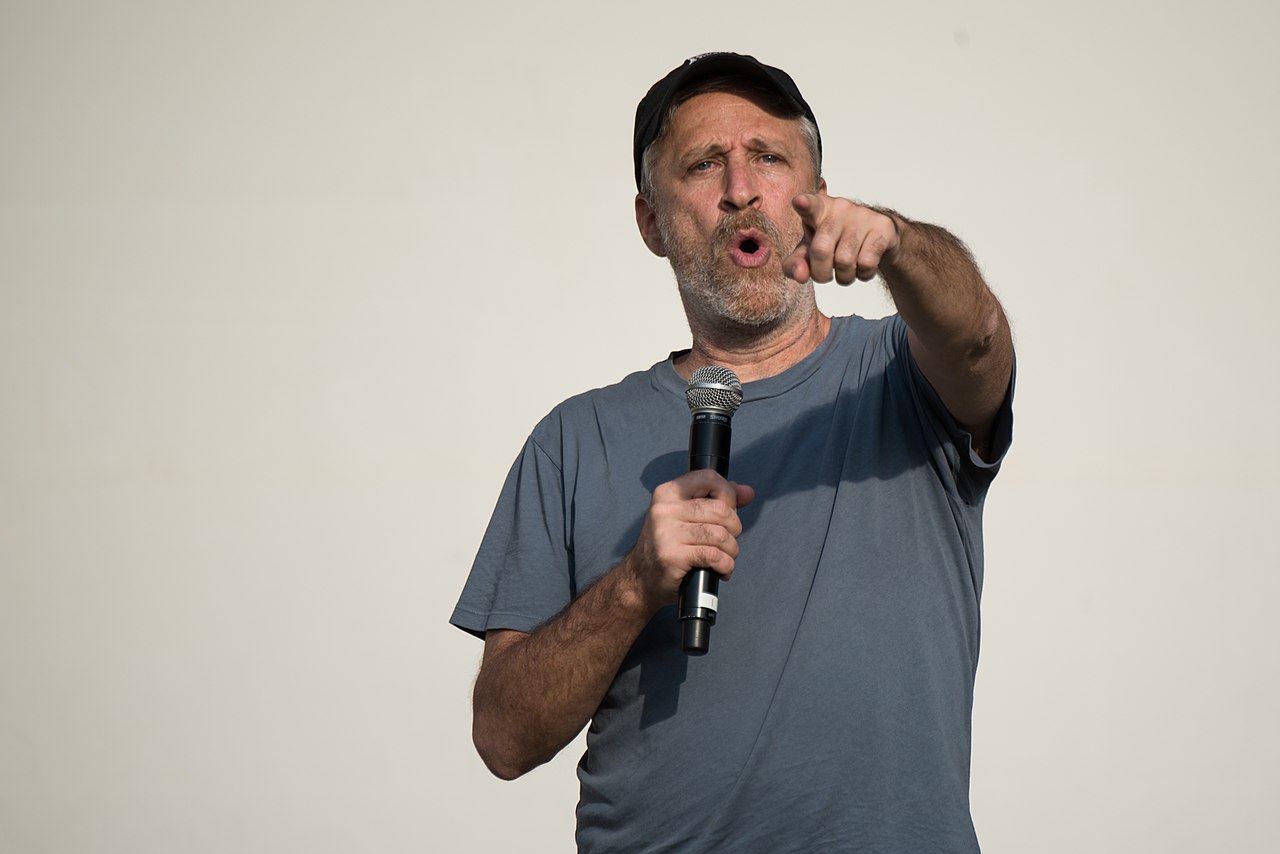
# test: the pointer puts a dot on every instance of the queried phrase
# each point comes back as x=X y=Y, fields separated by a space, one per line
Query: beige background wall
x=284 y=285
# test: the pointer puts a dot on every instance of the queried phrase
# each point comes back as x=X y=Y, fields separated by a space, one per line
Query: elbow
x=502 y=770
x=499 y=751
x=993 y=325
x=991 y=337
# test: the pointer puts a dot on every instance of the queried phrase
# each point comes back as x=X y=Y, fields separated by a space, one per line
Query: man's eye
x=702 y=166
x=771 y=158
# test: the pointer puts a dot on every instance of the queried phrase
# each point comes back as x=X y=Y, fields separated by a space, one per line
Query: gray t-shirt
x=832 y=712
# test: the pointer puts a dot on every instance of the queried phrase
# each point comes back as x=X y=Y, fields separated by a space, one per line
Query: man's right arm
x=537 y=690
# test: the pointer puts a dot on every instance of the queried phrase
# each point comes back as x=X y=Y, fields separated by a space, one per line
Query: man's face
x=723 y=180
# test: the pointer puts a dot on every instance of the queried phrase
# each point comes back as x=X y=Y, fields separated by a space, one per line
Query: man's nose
x=739 y=188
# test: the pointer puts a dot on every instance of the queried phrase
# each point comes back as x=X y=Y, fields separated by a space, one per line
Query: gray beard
x=721 y=298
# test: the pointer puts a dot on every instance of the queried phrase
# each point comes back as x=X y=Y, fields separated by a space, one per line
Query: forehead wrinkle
x=692 y=134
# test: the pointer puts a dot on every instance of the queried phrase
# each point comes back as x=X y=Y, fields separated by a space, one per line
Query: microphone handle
x=709 y=439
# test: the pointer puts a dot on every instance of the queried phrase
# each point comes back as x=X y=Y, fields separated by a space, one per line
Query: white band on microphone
x=704 y=600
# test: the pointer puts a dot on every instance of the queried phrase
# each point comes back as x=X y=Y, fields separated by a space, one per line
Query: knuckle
x=711 y=507
x=704 y=556
x=711 y=535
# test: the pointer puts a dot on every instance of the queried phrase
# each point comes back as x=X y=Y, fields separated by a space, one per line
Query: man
x=832 y=713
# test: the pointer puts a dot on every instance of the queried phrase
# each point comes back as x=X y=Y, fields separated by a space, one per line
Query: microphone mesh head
x=714 y=387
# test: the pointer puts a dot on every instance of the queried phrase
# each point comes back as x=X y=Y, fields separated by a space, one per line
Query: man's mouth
x=749 y=248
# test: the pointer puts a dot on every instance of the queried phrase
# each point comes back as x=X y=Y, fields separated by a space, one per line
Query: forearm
x=939 y=291
x=957 y=329
x=536 y=691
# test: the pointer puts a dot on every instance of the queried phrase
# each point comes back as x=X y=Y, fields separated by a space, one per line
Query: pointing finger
x=811 y=207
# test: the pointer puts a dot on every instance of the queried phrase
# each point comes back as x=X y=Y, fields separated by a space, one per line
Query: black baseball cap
x=653 y=107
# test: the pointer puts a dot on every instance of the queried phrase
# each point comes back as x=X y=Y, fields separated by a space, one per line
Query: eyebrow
x=756 y=143
x=702 y=152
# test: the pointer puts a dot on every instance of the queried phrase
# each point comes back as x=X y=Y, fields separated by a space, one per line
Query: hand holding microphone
x=714 y=394
x=689 y=537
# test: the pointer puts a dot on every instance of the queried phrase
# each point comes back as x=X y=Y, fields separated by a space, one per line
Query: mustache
x=742 y=220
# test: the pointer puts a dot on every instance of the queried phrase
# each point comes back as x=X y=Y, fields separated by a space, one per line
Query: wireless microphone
x=714 y=394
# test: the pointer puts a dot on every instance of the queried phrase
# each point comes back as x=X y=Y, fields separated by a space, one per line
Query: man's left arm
x=956 y=329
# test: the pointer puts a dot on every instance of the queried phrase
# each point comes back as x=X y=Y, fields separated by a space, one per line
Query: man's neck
x=760 y=357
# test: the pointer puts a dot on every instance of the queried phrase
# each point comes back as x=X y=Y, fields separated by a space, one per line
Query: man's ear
x=647 y=222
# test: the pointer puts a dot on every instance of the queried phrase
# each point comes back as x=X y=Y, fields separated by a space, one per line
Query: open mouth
x=748 y=248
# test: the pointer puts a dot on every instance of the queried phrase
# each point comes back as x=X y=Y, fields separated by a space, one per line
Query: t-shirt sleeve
x=972 y=473
x=521 y=575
